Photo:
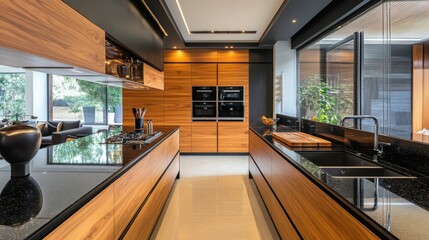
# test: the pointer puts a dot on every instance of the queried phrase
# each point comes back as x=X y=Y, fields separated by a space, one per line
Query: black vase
x=20 y=200
x=18 y=145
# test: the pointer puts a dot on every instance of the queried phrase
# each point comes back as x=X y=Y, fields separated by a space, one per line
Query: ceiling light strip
x=223 y=32
x=183 y=16
x=154 y=17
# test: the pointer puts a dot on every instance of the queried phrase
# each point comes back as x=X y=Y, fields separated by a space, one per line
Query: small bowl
x=274 y=122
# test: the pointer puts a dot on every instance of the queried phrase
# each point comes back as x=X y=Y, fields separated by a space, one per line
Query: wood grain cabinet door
x=178 y=100
x=204 y=74
x=204 y=137
x=262 y=154
x=233 y=74
x=233 y=137
x=54 y=31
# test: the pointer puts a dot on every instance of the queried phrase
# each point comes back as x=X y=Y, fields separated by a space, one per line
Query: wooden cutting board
x=300 y=139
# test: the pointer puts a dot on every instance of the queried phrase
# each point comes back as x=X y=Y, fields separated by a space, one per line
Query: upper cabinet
x=49 y=34
x=206 y=56
x=233 y=74
x=129 y=23
x=204 y=74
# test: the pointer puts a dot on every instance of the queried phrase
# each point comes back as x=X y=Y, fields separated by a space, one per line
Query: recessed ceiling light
x=293 y=20
x=174 y=47
x=242 y=31
x=212 y=31
x=232 y=46
x=226 y=46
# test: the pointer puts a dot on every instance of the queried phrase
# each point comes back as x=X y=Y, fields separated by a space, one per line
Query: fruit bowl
x=269 y=122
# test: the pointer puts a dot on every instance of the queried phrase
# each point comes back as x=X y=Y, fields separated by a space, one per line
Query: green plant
x=322 y=102
x=12 y=99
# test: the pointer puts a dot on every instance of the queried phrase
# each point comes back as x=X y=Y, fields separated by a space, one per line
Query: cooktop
x=133 y=138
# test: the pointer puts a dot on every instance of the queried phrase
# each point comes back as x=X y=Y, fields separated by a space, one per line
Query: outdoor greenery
x=12 y=96
x=322 y=102
x=79 y=93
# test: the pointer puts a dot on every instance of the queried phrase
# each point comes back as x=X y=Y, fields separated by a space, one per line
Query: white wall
x=36 y=95
x=285 y=87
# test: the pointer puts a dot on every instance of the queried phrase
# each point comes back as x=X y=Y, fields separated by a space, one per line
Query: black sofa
x=68 y=128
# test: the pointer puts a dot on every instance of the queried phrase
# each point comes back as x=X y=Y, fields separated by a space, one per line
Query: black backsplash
x=406 y=154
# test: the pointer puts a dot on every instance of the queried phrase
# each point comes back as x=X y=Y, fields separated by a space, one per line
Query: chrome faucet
x=378 y=146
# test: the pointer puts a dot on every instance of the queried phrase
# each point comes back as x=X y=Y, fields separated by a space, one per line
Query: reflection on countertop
x=68 y=175
x=401 y=206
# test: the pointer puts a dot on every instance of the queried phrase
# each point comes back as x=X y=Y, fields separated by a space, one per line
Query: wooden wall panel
x=204 y=137
x=53 y=30
x=95 y=220
x=178 y=100
x=204 y=74
x=233 y=74
x=179 y=56
x=417 y=85
x=425 y=120
x=148 y=216
x=233 y=137
x=203 y=56
x=152 y=99
x=233 y=56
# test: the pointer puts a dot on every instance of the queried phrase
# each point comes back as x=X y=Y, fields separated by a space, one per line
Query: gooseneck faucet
x=378 y=146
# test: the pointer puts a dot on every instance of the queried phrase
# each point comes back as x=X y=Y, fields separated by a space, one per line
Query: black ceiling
x=281 y=29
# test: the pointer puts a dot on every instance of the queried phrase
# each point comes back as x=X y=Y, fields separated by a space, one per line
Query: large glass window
x=383 y=83
x=92 y=103
x=12 y=93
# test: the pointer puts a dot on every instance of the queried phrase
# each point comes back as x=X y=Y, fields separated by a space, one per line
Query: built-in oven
x=230 y=111
x=203 y=93
x=231 y=93
x=204 y=111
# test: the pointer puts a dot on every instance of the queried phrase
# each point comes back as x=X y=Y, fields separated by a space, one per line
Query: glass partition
x=384 y=84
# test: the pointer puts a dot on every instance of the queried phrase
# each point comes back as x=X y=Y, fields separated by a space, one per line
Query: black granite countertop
x=402 y=206
x=62 y=179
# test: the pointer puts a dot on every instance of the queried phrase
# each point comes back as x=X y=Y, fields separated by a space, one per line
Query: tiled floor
x=214 y=199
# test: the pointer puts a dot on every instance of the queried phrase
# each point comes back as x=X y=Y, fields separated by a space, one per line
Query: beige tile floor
x=214 y=199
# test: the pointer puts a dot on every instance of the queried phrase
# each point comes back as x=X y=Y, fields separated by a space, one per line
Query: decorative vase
x=18 y=145
x=20 y=201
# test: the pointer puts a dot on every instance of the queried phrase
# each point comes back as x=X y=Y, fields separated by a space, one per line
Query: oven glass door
x=231 y=111
x=231 y=94
x=203 y=93
x=204 y=111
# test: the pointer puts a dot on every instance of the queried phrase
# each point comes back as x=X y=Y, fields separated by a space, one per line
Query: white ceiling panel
x=223 y=15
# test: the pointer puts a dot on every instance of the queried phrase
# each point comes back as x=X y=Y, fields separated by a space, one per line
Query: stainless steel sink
x=364 y=173
x=338 y=159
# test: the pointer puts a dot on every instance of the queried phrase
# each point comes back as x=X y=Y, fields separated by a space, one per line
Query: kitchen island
x=308 y=201
x=88 y=189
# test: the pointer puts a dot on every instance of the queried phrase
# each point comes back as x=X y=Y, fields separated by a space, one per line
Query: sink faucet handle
x=381 y=147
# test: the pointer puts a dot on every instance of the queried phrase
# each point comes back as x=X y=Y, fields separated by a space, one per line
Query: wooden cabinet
x=262 y=154
x=204 y=137
x=51 y=30
x=233 y=74
x=204 y=74
x=314 y=213
x=233 y=56
x=233 y=137
x=178 y=100
x=148 y=216
x=130 y=190
x=95 y=220
x=108 y=214
x=279 y=217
